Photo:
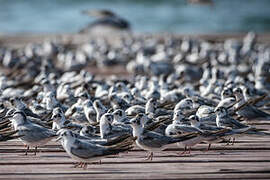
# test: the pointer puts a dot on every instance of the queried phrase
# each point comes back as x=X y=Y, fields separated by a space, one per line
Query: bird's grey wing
x=28 y=112
x=121 y=128
x=251 y=112
x=204 y=101
x=236 y=123
x=186 y=129
x=259 y=113
x=35 y=133
x=209 y=127
x=226 y=122
x=155 y=140
x=85 y=150
x=91 y=139
x=125 y=120
x=150 y=141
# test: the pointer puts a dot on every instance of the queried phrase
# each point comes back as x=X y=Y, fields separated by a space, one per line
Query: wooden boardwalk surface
x=249 y=158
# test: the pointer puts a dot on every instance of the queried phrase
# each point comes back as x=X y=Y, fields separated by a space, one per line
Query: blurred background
x=176 y=16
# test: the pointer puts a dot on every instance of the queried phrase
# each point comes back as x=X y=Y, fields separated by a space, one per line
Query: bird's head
x=108 y=117
x=118 y=114
x=178 y=116
x=137 y=120
x=227 y=92
x=64 y=133
x=221 y=111
x=194 y=120
x=238 y=92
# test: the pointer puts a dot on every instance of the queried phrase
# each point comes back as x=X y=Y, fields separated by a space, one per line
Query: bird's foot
x=84 y=166
x=233 y=141
x=208 y=148
x=26 y=151
x=150 y=157
x=181 y=153
x=78 y=165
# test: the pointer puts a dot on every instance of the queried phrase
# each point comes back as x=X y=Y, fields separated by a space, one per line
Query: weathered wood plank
x=249 y=158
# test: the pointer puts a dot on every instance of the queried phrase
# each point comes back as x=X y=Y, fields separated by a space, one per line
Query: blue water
x=145 y=15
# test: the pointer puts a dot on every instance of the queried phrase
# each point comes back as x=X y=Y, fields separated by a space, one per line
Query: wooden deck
x=249 y=158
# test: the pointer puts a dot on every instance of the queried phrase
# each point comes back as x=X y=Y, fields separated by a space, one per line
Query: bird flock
x=179 y=91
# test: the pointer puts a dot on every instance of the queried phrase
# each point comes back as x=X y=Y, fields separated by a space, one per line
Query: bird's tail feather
x=8 y=135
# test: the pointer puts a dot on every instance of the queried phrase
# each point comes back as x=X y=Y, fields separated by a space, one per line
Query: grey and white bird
x=87 y=152
x=60 y=121
x=32 y=134
x=152 y=141
x=207 y=115
x=39 y=109
x=100 y=109
x=89 y=111
x=224 y=120
x=217 y=136
x=77 y=106
x=20 y=105
x=51 y=101
x=118 y=102
x=152 y=110
x=227 y=98
x=180 y=126
x=134 y=110
x=119 y=117
x=249 y=112
x=107 y=130
x=89 y=131
x=185 y=105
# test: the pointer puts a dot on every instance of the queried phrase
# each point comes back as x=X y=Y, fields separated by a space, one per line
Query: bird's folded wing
x=36 y=133
x=186 y=129
x=155 y=139
x=86 y=150
x=237 y=124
